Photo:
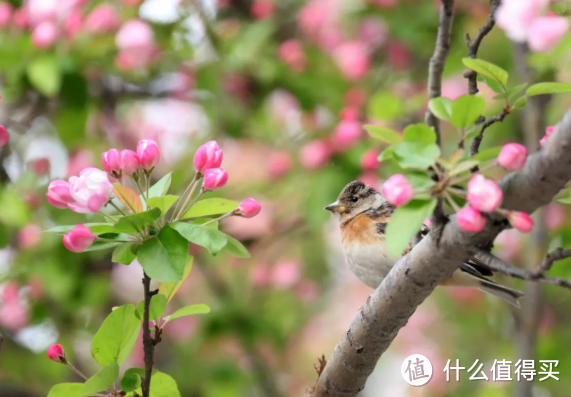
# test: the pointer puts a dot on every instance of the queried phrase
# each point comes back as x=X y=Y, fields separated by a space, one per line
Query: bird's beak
x=336 y=208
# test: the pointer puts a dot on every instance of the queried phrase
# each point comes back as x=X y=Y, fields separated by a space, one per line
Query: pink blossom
x=548 y=131
x=347 y=134
x=5 y=13
x=291 y=53
x=20 y=18
x=484 y=194
x=285 y=274
x=470 y=220
x=72 y=23
x=349 y=113
x=508 y=244
x=129 y=162
x=149 y=154
x=78 y=239
x=4 y=136
x=214 y=179
x=399 y=56
x=10 y=292
x=315 y=154
x=208 y=156
x=262 y=9
x=369 y=160
x=319 y=16
x=14 y=316
x=521 y=221
x=279 y=163
x=352 y=58
x=546 y=32
x=57 y=354
x=397 y=190
x=135 y=34
x=79 y=161
x=260 y=275
x=29 y=236
x=248 y=208
x=355 y=98
x=111 y=161
x=373 y=32
x=517 y=16
x=90 y=191
x=40 y=166
x=555 y=216
x=44 y=35
x=103 y=19
x=59 y=194
x=513 y=156
x=454 y=87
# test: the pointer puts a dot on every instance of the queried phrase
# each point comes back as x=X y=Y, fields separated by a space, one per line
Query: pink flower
x=135 y=34
x=484 y=194
x=399 y=56
x=262 y=9
x=347 y=134
x=90 y=191
x=72 y=23
x=370 y=178
x=555 y=216
x=40 y=166
x=248 y=208
x=517 y=16
x=208 y=156
x=315 y=154
x=129 y=162
x=279 y=163
x=454 y=87
x=111 y=161
x=397 y=190
x=44 y=35
x=29 y=236
x=78 y=239
x=509 y=244
x=285 y=274
x=14 y=316
x=545 y=32
x=373 y=32
x=353 y=59
x=513 y=156
x=10 y=292
x=349 y=113
x=4 y=136
x=521 y=221
x=291 y=53
x=260 y=275
x=103 y=19
x=5 y=13
x=548 y=131
x=214 y=179
x=57 y=354
x=20 y=18
x=470 y=220
x=80 y=160
x=58 y=194
x=369 y=160
x=148 y=153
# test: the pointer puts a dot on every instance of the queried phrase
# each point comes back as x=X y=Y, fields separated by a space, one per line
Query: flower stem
x=141 y=190
x=107 y=216
x=219 y=218
x=185 y=207
x=191 y=187
x=117 y=208
x=78 y=372
x=451 y=201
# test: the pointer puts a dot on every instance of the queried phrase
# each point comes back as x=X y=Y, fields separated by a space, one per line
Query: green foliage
x=463 y=166
x=441 y=107
x=487 y=154
x=210 y=207
x=14 y=211
x=419 y=133
x=235 y=248
x=169 y=289
x=405 y=224
x=419 y=155
x=67 y=390
x=164 y=203
x=131 y=381
x=383 y=133
x=45 y=75
x=385 y=106
x=102 y=379
x=125 y=253
x=159 y=189
x=96 y=228
x=188 y=311
x=164 y=256
x=116 y=337
x=135 y=223
x=162 y=385
x=466 y=110
x=157 y=307
x=487 y=69
x=211 y=239
x=547 y=88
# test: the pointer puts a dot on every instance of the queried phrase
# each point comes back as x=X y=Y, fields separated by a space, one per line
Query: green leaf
x=235 y=248
x=463 y=166
x=565 y=200
x=164 y=256
x=383 y=133
x=457 y=156
x=493 y=84
x=96 y=228
x=548 y=88
x=514 y=92
x=419 y=133
x=45 y=75
x=189 y=311
x=135 y=223
x=103 y=245
x=14 y=211
x=415 y=154
x=520 y=103
x=102 y=379
x=211 y=239
x=441 y=107
x=386 y=154
x=67 y=390
x=128 y=197
x=210 y=207
x=162 y=385
x=156 y=308
x=125 y=253
x=488 y=154
x=169 y=289
x=419 y=180
x=116 y=337
x=164 y=203
x=158 y=189
x=405 y=222
x=487 y=69
x=131 y=381
x=466 y=110
x=385 y=106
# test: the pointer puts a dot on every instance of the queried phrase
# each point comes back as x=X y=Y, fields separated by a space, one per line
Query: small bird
x=363 y=217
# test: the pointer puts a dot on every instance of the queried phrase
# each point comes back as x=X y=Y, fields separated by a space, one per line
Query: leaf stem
x=451 y=201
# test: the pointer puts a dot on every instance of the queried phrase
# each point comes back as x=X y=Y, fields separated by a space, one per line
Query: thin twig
x=148 y=343
x=475 y=145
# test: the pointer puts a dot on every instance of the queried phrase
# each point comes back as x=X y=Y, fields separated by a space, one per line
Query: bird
x=363 y=217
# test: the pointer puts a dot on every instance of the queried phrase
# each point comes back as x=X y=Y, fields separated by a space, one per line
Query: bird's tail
x=509 y=295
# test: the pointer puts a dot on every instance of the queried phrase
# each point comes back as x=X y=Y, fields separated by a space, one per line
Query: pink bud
x=373 y=32
x=90 y=191
x=59 y=194
x=72 y=23
x=129 y=162
x=513 y=156
x=103 y=19
x=4 y=136
x=260 y=275
x=291 y=53
x=397 y=190
x=148 y=153
x=555 y=216
x=78 y=239
x=371 y=179
x=29 y=236
x=111 y=161
x=262 y=9
x=521 y=221
x=484 y=194
x=349 y=113
x=214 y=179
x=57 y=354
x=20 y=18
x=279 y=163
x=44 y=35
x=10 y=292
x=347 y=134
x=208 y=156
x=248 y=208
x=548 y=131
x=353 y=59
x=545 y=32
x=369 y=160
x=135 y=34
x=14 y=316
x=285 y=274
x=5 y=13
x=470 y=220
x=315 y=154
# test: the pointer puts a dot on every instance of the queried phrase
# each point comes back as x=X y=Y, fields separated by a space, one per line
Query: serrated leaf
x=487 y=154
x=169 y=289
x=463 y=166
x=441 y=107
x=164 y=256
x=457 y=156
x=466 y=110
x=235 y=248
x=188 y=311
x=67 y=390
x=102 y=379
x=44 y=74
x=125 y=253
x=135 y=223
x=164 y=203
x=383 y=133
x=128 y=197
x=131 y=381
x=548 y=88
x=415 y=154
x=211 y=239
x=116 y=337
x=210 y=207
x=405 y=222
x=419 y=133
x=157 y=307
x=487 y=69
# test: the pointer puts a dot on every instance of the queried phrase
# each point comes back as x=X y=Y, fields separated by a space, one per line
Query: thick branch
x=417 y=274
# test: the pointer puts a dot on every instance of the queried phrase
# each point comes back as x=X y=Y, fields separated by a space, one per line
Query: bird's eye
x=354 y=199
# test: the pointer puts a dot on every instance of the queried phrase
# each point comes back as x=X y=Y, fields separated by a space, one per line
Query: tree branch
x=475 y=145
x=416 y=275
x=148 y=342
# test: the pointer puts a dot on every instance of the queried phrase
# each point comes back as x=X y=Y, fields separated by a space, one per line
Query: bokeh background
x=284 y=87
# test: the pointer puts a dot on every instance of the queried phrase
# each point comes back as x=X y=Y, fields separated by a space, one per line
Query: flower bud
x=103 y=19
x=148 y=153
x=78 y=239
x=248 y=208
x=129 y=162
x=484 y=194
x=90 y=191
x=369 y=160
x=314 y=154
x=214 y=179
x=513 y=156
x=521 y=221
x=208 y=156
x=111 y=161
x=4 y=136
x=397 y=190
x=470 y=220
x=57 y=354
x=44 y=35
x=59 y=194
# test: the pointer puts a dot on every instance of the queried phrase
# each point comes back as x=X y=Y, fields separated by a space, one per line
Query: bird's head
x=356 y=198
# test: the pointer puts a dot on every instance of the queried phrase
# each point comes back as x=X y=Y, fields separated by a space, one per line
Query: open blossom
x=91 y=190
x=548 y=131
x=397 y=190
x=513 y=156
x=470 y=220
x=521 y=221
x=78 y=239
x=353 y=60
x=148 y=153
x=111 y=161
x=208 y=156
x=129 y=162
x=4 y=136
x=57 y=354
x=135 y=34
x=545 y=32
x=248 y=208
x=103 y=19
x=484 y=194
x=516 y=17
x=214 y=179
x=58 y=194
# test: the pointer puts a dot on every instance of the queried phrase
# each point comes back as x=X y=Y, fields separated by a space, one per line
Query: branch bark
x=417 y=274
x=148 y=342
